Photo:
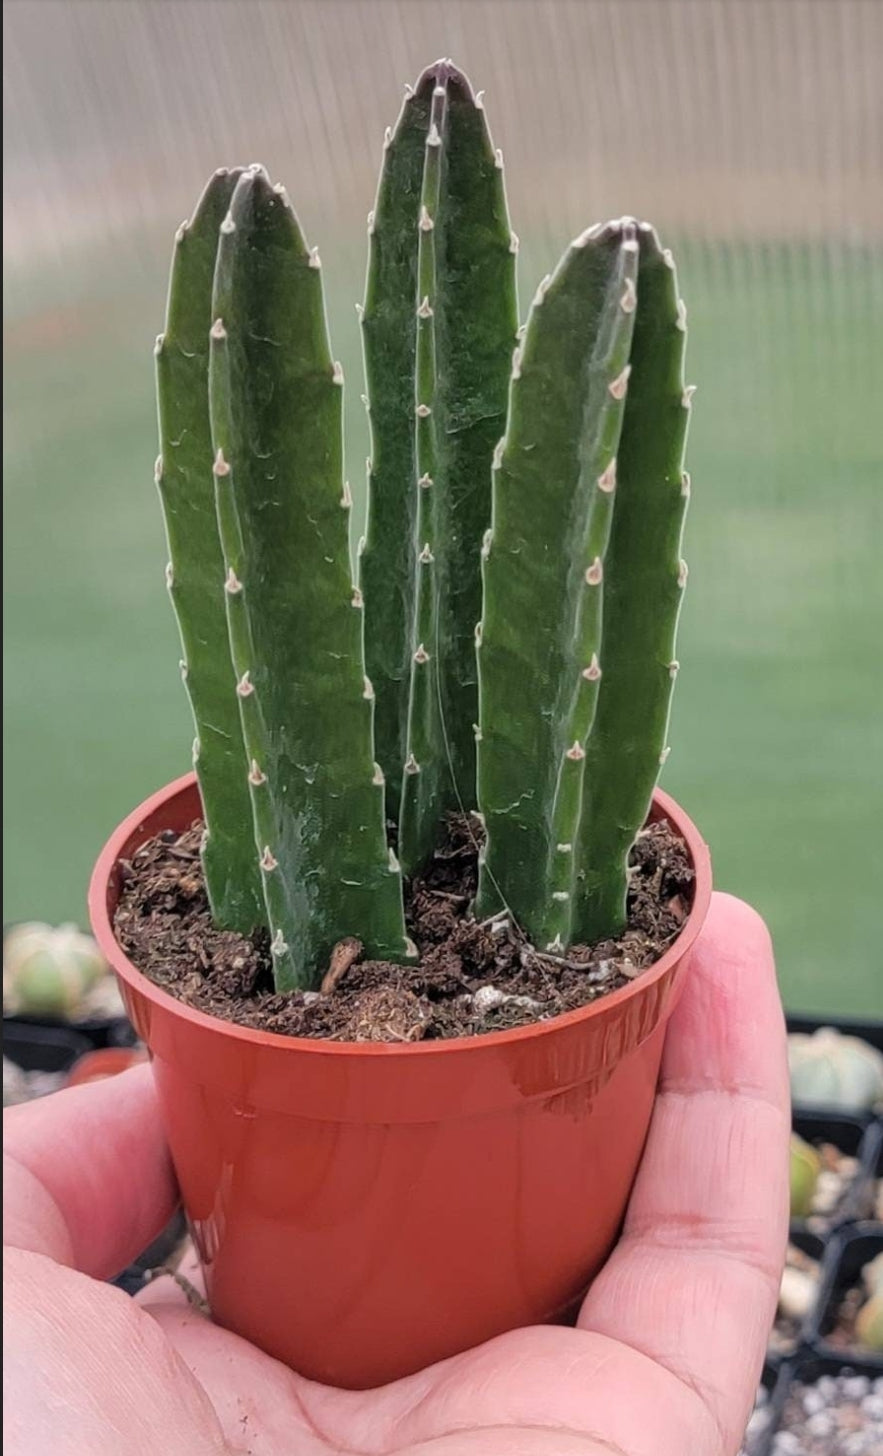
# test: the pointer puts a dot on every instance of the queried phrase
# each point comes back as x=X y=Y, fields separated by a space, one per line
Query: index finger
x=87 y=1177
x=694 y=1281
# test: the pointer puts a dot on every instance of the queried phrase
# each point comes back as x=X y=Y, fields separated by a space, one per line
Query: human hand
x=667 y=1349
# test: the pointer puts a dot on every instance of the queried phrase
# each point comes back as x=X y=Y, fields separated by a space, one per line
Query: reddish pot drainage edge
x=362 y=1210
x=106 y=1062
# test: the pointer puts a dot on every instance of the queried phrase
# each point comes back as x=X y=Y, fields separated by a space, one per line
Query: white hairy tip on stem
x=542 y=288
x=607 y=478
x=618 y=386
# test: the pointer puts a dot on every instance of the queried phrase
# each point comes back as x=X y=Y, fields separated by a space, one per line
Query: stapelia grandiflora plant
x=507 y=646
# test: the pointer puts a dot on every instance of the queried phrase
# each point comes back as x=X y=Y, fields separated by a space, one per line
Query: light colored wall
x=727 y=118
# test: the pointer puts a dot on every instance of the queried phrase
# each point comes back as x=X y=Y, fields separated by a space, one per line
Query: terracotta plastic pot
x=107 y=1062
x=362 y=1210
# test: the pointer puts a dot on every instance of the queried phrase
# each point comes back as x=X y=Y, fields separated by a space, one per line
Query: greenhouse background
x=749 y=131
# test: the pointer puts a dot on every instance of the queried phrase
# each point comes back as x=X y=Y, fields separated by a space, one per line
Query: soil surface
x=472 y=976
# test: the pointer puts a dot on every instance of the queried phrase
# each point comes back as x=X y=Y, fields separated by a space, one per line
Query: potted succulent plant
x=405 y=1004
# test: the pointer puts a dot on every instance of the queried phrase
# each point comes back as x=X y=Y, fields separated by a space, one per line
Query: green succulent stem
x=644 y=589
x=510 y=642
x=294 y=617
x=195 y=574
x=421 y=575
x=581 y=593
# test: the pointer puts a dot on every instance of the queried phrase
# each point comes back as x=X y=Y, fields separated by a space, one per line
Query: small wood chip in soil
x=471 y=978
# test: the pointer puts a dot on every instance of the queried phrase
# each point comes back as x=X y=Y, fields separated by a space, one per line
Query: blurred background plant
x=750 y=131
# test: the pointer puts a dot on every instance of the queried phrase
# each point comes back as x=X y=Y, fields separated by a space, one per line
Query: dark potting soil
x=472 y=976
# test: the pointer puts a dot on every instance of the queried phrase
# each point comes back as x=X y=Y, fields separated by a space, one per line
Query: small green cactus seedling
x=805 y=1168
x=839 y=1071
x=869 y=1323
x=49 y=970
x=507 y=644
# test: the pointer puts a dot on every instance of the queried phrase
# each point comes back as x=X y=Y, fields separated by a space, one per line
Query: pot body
x=362 y=1210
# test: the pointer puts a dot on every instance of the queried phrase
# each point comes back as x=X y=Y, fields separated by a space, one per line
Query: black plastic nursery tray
x=96 y=1032
x=816 y=1384
x=42 y=1046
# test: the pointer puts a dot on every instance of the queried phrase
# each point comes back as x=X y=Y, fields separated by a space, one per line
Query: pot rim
x=116 y=957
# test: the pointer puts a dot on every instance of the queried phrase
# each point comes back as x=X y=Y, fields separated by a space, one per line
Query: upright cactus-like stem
x=581 y=587
x=195 y=573
x=387 y=576
x=644 y=588
x=294 y=616
x=456 y=349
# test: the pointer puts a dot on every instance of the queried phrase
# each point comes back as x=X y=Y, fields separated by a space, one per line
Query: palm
x=662 y=1363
